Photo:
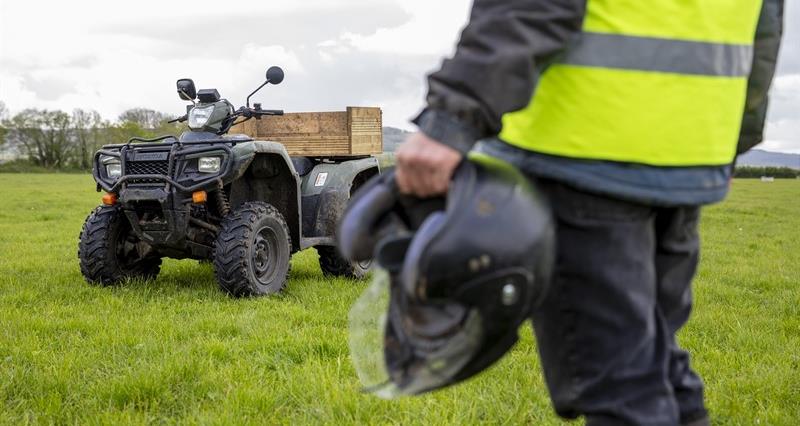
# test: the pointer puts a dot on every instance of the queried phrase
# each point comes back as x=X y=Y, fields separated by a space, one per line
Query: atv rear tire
x=110 y=253
x=334 y=264
x=252 y=252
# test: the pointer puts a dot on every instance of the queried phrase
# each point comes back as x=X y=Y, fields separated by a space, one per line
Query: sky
x=110 y=56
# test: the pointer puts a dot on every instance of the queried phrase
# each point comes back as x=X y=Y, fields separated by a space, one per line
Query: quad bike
x=245 y=205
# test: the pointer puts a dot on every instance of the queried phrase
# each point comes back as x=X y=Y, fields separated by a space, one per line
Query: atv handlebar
x=179 y=119
x=268 y=112
x=256 y=112
x=247 y=113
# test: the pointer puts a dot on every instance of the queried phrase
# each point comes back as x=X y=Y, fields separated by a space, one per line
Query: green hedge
x=747 y=172
x=26 y=166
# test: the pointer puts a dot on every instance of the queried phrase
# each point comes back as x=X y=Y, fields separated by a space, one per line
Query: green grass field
x=177 y=350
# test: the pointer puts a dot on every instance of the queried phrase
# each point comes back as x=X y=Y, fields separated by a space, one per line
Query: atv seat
x=302 y=165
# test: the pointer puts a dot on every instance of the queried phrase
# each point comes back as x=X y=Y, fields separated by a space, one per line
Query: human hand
x=425 y=166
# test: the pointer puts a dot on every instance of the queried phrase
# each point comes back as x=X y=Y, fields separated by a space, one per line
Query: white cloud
x=326 y=57
x=783 y=129
x=787 y=86
x=254 y=57
x=780 y=146
x=783 y=135
x=432 y=30
x=13 y=87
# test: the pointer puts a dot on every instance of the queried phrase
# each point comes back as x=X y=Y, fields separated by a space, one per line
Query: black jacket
x=506 y=44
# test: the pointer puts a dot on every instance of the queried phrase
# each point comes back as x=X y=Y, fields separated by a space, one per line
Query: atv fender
x=264 y=172
x=326 y=192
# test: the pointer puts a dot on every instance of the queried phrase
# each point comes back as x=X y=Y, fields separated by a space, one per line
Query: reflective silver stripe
x=659 y=55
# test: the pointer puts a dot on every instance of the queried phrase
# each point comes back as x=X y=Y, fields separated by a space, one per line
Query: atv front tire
x=110 y=253
x=334 y=264
x=252 y=252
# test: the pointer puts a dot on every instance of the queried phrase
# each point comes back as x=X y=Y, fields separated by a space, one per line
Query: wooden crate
x=355 y=132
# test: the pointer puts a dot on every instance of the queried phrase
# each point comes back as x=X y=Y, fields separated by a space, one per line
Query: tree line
x=60 y=140
x=750 y=172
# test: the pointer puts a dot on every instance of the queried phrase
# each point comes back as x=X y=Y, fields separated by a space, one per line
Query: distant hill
x=761 y=158
x=392 y=137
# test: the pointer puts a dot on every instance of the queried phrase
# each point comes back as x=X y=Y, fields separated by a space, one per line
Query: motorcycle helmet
x=454 y=276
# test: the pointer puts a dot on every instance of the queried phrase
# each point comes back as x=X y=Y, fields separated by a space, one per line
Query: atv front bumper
x=159 y=206
x=156 y=216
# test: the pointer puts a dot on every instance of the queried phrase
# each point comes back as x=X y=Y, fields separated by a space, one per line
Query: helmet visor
x=399 y=348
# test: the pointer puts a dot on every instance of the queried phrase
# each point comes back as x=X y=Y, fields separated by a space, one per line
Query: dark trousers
x=621 y=290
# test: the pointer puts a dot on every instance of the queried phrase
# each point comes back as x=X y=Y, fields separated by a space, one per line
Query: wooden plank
x=356 y=131
x=311 y=138
x=366 y=134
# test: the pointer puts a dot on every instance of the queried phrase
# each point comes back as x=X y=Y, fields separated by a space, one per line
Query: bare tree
x=144 y=123
x=144 y=118
x=86 y=131
x=43 y=135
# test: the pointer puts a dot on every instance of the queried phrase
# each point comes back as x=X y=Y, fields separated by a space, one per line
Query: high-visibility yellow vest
x=659 y=82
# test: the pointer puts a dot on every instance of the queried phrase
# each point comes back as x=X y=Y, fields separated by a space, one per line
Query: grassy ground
x=179 y=351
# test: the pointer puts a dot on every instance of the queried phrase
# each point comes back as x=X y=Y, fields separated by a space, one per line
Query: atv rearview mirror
x=186 y=89
x=275 y=75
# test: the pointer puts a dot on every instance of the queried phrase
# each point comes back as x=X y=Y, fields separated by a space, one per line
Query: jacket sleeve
x=765 y=57
x=495 y=66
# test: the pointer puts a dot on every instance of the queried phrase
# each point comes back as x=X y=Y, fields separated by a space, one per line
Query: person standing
x=628 y=115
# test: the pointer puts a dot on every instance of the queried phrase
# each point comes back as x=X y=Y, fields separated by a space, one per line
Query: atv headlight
x=114 y=170
x=112 y=165
x=209 y=164
x=199 y=116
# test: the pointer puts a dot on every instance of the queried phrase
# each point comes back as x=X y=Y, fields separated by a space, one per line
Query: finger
x=440 y=184
x=424 y=183
x=436 y=177
x=431 y=183
x=420 y=173
x=424 y=166
x=436 y=184
x=401 y=177
x=409 y=180
x=404 y=170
